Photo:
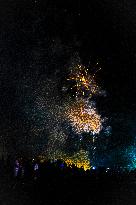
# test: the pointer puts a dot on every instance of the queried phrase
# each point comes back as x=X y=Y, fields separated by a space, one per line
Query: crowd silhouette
x=53 y=182
x=56 y=183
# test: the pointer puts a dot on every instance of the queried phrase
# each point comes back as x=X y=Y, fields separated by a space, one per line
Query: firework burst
x=84 y=117
x=79 y=159
x=59 y=122
x=83 y=83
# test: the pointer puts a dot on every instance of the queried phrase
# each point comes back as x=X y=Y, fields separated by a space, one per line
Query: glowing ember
x=84 y=118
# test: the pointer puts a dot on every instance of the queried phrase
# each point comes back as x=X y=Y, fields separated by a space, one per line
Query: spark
x=84 y=117
x=130 y=156
x=79 y=159
x=83 y=82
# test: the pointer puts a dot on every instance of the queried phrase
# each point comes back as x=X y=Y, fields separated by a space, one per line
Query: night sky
x=39 y=41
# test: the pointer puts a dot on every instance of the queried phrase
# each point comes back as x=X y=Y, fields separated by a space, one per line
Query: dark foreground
x=56 y=186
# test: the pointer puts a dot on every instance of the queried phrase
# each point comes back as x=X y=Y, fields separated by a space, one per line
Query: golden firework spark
x=84 y=118
x=80 y=160
x=84 y=83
